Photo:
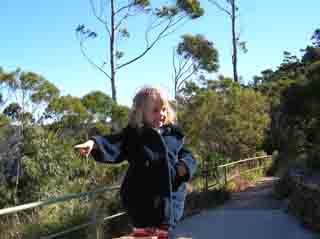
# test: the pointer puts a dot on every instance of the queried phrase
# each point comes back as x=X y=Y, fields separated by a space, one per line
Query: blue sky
x=39 y=36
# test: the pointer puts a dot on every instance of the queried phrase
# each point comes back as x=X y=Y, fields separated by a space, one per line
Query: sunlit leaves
x=45 y=92
x=141 y=3
x=4 y=120
x=167 y=11
x=191 y=7
x=200 y=50
x=120 y=115
x=98 y=104
x=229 y=122
x=69 y=110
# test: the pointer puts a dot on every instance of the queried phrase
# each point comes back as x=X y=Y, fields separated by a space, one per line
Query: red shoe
x=144 y=233
x=162 y=234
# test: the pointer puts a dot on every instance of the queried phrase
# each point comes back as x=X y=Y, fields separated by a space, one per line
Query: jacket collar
x=172 y=130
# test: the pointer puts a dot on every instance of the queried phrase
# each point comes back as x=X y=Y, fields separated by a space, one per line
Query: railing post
x=225 y=176
x=96 y=219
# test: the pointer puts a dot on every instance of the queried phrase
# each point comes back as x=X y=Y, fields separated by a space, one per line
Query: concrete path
x=250 y=214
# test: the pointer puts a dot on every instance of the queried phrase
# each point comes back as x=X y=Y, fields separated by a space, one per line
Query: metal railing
x=222 y=174
x=68 y=197
x=231 y=170
x=226 y=173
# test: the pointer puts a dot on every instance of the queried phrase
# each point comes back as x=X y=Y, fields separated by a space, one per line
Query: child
x=154 y=188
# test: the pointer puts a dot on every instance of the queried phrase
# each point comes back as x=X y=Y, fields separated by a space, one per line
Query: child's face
x=155 y=114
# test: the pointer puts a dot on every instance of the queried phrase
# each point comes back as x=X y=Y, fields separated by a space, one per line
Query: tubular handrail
x=78 y=227
x=226 y=178
x=83 y=194
x=50 y=201
x=68 y=197
x=243 y=160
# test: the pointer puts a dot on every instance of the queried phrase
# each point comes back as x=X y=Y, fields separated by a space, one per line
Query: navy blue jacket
x=152 y=192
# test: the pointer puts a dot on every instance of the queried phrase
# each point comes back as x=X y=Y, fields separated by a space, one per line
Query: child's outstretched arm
x=108 y=149
x=105 y=149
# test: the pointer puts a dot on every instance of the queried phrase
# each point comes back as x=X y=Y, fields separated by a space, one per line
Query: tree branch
x=184 y=65
x=174 y=24
x=91 y=62
x=123 y=8
x=180 y=73
x=174 y=65
x=220 y=7
x=187 y=77
x=148 y=48
x=104 y=22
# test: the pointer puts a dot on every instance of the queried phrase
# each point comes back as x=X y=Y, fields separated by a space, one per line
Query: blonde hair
x=144 y=95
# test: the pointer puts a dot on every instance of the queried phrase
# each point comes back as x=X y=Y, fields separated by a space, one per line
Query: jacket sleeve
x=115 y=148
x=185 y=157
x=108 y=149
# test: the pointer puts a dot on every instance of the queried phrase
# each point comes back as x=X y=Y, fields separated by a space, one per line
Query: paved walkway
x=250 y=214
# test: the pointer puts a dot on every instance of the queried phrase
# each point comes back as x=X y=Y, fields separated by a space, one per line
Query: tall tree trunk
x=112 y=52
x=234 y=42
x=114 y=124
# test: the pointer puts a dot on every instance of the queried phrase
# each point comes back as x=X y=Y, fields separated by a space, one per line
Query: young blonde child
x=154 y=188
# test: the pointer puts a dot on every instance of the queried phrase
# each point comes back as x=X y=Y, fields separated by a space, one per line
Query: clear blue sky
x=39 y=36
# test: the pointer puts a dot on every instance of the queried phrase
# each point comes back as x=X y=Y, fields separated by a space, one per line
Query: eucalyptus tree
x=27 y=95
x=226 y=119
x=316 y=38
x=230 y=8
x=193 y=55
x=114 y=15
x=225 y=122
x=98 y=104
x=68 y=112
x=102 y=109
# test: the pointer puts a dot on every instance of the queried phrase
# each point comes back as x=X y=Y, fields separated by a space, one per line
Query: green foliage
x=141 y=3
x=200 y=50
x=191 y=7
x=8 y=79
x=167 y=11
x=98 y=104
x=102 y=128
x=4 y=121
x=312 y=54
x=27 y=93
x=294 y=113
x=68 y=110
x=120 y=114
x=46 y=159
x=45 y=92
x=13 y=111
x=316 y=38
x=229 y=122
x=52 y=168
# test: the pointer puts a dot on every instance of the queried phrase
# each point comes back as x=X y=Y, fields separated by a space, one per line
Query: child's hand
x=85 y=148
x=182 y=170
